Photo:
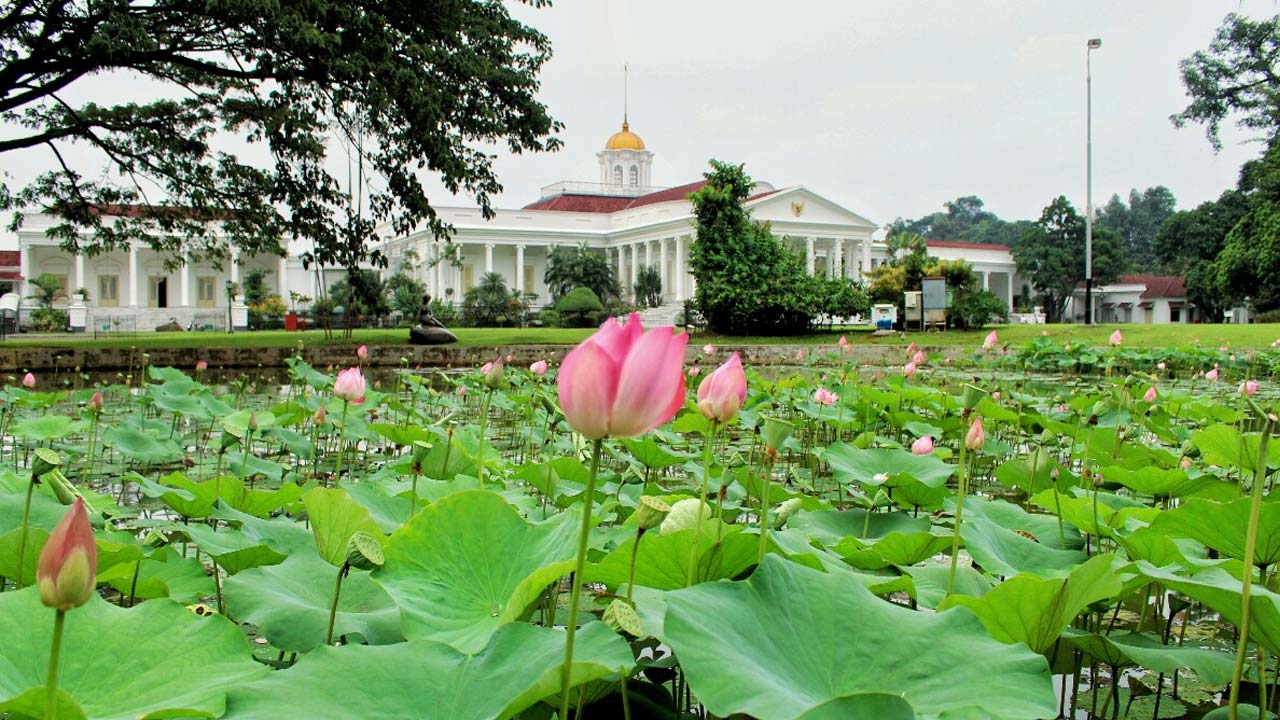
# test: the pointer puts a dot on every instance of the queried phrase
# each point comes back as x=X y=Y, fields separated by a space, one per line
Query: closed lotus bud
x=28 y=381
x=253 y=422
x=787 y=509
x=69 y=562
x=1150 y=395
x=493 y=373
x=320 y=415
x=922 y=446
x=45 y=460
x=95 y=402
x=1248 y=388
x=539 y=368
x=364 y=551
x=202 y=365
x=651 y=513
x=975 y=439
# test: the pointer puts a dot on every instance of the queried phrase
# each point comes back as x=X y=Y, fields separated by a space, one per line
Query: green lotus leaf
x=1227 y=447
x=334 y=518
x=187 y=498
x=1167 y=483
x=929 y=583
x=1044 y=528
x=829 y=527
x=885 y=466
x=841 y=640
x=141 y=446
x=662 y=561
x=1222 y=525
x=164 y=574
x=1220 y=591
x=1000 y=551
x=290 y=603
x=520 y=665
x=468 y=564
x=156 y=660
x=881 y=706
x=650 y=454
x=1125 y=649
x=896 y=548
x=1034 y=611
x=233 y=549
x=47 y=428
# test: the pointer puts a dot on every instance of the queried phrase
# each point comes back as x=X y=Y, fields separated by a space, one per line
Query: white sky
x=889 y=108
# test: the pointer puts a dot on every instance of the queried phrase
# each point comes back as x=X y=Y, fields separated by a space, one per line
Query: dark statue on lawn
x=429 y=330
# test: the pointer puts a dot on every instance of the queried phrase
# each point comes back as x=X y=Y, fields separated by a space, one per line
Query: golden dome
x=624 y=140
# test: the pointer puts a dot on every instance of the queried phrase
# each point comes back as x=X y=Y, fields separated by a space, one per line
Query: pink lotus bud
x=1233 y=357
x=1150 y=395
x=350 y=386
x=1161 y=365
x=990 y=341
x=1212 y=375
x=95 y=402
x=995 y=396
x=909 y=370
x=843 y=343
x=539 y=368
x=1248 y=388
x=1116 y=338
x=1044 y=333
x=493 y=373
x=202 y=365
x=622 y=381
x=68 y=562
x=362 y=352
x=799 y=356
x=1185 y=463
x=922 y=446
x=708 y=349
x=695 y=371
x=462 y=391
x=319 y=416
x=510 y=358
x=919 y=358
x=975 y=438
x=911 y=348
x=823 y=396
x=28 y=381
x=722 y=393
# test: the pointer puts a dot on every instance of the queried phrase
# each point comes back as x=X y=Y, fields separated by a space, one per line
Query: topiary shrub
x=580 y=307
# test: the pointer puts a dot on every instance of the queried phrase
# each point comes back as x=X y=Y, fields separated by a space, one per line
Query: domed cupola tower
x=624 y=163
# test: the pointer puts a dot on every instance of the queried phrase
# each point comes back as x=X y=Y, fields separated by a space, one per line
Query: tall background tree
x=409 y=85
x=1190 y=240
x=1051 y=256
x=966 y=220
x=1138 y=222
x=1237 y=77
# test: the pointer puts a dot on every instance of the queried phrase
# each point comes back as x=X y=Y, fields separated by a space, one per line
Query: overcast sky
x=890 y=108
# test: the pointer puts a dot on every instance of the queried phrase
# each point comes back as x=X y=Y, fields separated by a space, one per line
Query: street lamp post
x=1094 y=44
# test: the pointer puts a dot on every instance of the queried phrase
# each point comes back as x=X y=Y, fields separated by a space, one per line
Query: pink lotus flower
x=28 y=381
x=708 y=349
x=1150 y=395
x=823 y=396
x=976 y=437
x=95 y=402
x=68 y=562
x=843 y=343
x=1116 y=338
x=1233 y=357
x=622 y=381
x=919 y=358
x=909 y=370
x=990 y=341
x=320 y=415
x=350 y=386
x=510 y=358
x=202 y=365
x=722 y=393
x=362 y=352
x=695 y=371
x=1248 y=388
x=1161 y=365
x=1185 y=463
x=1212 y=375
x=922 y=446
x=539 y=368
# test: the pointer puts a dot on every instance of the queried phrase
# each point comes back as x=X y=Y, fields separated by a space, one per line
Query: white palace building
x=624 y=216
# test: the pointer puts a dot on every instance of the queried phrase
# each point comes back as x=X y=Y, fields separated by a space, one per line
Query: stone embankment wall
x=21 y=359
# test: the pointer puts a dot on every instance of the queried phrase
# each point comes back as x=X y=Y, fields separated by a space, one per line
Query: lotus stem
x=22 y=537
x=584 y=534
x=51 y=681
x=484 y=421
x=342 y=444
x=764 y=508
x=961 y=488
x=333 y=606
x=702 y=498
x=1250 y=544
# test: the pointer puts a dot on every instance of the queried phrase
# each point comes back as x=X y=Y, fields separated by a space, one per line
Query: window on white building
x=617 y=174
x=528 y=278
x=635 y=176
x=157 y=291
x=206 y=291
x=109 y=290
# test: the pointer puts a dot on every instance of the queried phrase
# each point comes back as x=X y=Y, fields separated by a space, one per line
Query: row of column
x=677 y=284
x=839 y=256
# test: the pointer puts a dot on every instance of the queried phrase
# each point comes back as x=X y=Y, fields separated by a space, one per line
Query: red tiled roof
x=571 y=202
x=1157 y=286
x=966 y=245
x=10 y=258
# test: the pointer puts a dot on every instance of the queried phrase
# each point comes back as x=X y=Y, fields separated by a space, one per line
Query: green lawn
x=1235 y=336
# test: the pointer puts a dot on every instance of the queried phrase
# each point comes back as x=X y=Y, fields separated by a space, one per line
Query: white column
x=234 y=269
x=520 y=269
x=488 y=258
x=662 y=268
x=620 y=276
x=678 y=280
x=839 y=258
x=437 y=272
x=24 y=270
x=133 y=275
x=184 y=285
x=808 y=255
x=986 y=280
x=648 y=253
x=282 y=278
x=631 y=269
x=866 y=255
x=80 y=279
x=1010 y=276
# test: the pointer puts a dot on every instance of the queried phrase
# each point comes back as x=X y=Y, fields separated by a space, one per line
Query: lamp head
x=1095 y=43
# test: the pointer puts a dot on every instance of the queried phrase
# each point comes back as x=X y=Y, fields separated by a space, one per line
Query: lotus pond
x=1078 y=546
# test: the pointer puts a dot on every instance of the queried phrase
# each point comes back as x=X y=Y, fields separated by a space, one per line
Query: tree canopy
x=1138 y=222
x=569 y=267
x=1235 y=76
x=1051 y=255
x=410 y=86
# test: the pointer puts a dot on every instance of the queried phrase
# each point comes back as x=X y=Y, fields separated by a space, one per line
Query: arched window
x=635 y=176
x=617 y=174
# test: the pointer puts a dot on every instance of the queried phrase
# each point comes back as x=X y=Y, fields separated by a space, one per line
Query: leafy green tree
x=406 y=295
x=1249 y=262
x=491 y=304
x=408 y=85
x=254 y=285
x=1189 y=241
x=571 y=267
x=1235 y=76
x=648 y=287
x=965 y=220
x=579 y=308
x=1138 y=222
x=361 y=293
x=1051 y=255
x=748 y=281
